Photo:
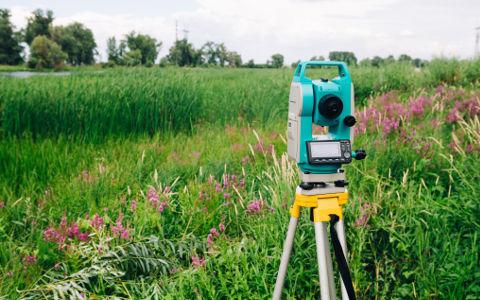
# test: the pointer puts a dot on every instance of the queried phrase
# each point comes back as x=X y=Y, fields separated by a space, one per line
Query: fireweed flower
x=72 y=230
x=255 y=206
x=218 y=187
x=83 y=237
x=162 y=206
x=210 y=239
x=221 y=227
x=152 y=196
x=97 y=221
x=214 y=232
x=198 y=262
x=133 y=206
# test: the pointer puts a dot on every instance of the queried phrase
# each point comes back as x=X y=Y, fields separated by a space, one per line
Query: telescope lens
x=330 y=106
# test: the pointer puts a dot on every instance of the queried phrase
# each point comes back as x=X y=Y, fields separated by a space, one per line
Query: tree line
x=52 y=46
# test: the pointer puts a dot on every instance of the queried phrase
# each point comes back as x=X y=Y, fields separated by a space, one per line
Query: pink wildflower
x=97 y=221
x=226 y=195
x=72 y=230
x=214 y=232
x=167 y=189
x=221 y=226
x=118 y=228
x=255 y=206
x=242 y=183
x=162 y=206
x=469 y=148
x=198 y=262
x=364 y=215
x=245 y=160
x=210 y=239
x=133 y=206
x=211 y=179
x=152 y=196
x=124 y=235
x=29 y=260
x=52 y=235
x=218 y=187
x=2 y=204
x=83 y=237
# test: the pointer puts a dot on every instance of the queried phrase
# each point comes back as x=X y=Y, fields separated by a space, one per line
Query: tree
x=250 y=64
x=38 y=24
x=147 y=46
x=113 y=51
x=182 y=53
x=209 y=53
x=404 y=58
x=77 y=42
x=221 y=52
x=345 y=56
x=318 y=58
x=10 y=48
x=377 y=61
x=277 y=60
x=234 y=59
x=45 y=53
x=132 y=58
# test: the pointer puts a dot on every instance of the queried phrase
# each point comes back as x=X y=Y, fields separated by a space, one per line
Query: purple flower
x=214 y=232
x=255 y=206
x=221 y=227
x=29 y=260
x=83 y=237
x=97 y=221
x=133 y=206
x=73 y=230
x=162 y=206
x=218 y=187
x=210 y=239
x=198 y=262
x=226 y=195
x=152 y=196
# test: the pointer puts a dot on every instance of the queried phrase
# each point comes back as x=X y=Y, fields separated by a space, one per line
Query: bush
x=45 y=53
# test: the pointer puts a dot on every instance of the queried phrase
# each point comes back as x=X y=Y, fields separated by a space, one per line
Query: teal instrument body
x=325 y=103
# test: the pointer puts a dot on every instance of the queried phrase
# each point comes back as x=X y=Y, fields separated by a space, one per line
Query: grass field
x=173 y=184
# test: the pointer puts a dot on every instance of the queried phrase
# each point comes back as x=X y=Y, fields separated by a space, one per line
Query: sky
x=298 y=29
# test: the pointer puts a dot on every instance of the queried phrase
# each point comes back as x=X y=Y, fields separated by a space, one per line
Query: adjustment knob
x=349 y=121
x=359 y=154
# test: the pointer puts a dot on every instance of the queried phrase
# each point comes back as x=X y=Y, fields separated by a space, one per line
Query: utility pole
x=477 y=42
x=185 y=34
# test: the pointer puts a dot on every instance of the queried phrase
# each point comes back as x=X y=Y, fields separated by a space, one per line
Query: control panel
x=329 y=152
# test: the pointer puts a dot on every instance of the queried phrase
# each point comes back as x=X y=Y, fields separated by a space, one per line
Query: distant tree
x=277 y=60
x=345 y=56
x=419 y=63
x=209 y=53
x=250 y=64
x=296 y=63
x=10 y=48
x=132 y=58
x=404 y=58
x=147 y=46
x=222 y=53
x=318 y=58
x=113 y=52
x=389 y=59
x=377 y=61
x=77 y=42
x=45 y=53
x=183 y=53
x=234 y=59
x=366 y=62
x=38 y=24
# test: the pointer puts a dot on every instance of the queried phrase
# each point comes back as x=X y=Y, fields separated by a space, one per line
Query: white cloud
x=300 y=29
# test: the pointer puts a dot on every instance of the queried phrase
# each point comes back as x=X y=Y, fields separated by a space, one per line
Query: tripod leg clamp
x=323 y=205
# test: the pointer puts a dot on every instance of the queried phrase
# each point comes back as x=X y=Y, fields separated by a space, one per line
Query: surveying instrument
x=327 y=103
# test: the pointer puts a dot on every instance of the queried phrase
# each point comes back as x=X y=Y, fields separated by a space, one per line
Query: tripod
x=326 y=203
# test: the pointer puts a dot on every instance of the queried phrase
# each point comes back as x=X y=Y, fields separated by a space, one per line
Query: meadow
x=170 y=183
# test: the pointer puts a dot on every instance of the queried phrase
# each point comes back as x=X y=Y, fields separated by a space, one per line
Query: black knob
x=360 y=154
x=349 y=121
x=340 y=183
x=307 y=186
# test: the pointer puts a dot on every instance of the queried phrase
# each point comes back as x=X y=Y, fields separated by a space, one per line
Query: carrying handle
x=302 y=67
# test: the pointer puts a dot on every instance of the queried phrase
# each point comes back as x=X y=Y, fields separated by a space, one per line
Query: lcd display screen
x=325 y=149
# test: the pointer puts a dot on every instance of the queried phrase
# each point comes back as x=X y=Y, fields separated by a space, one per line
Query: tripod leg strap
x=341 y=260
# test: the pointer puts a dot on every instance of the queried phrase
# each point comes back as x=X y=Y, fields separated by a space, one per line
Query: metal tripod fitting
x=323 y=206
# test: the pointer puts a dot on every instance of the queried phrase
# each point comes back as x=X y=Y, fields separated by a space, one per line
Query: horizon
x=368 y=29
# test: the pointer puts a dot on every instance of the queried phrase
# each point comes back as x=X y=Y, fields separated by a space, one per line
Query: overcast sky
x=298 y=29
